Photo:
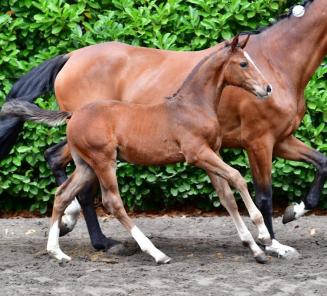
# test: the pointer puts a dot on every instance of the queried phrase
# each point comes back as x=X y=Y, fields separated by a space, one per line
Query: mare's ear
x=244 y=42
x=234 y=43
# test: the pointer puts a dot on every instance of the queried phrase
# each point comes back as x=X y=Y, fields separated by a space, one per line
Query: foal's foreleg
x=112 y=202
x=209 y=160
x=227 y=199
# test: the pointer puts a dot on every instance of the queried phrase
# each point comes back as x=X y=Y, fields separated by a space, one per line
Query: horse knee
x=238 y=181
x=118 y=209
x=113 y=205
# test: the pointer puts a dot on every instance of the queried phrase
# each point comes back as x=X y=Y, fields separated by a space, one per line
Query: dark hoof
x=105 y=243
x=262 y=258
x=64 y=229
x=164 y=260
x=289 y=214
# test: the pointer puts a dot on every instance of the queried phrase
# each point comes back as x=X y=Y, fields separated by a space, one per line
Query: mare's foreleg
x=227 y=199
x=112 y=202
x=58 y=157
x=293 y=149
x=260 y=157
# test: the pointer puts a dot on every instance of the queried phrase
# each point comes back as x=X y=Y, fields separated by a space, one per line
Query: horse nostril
x=269 y=89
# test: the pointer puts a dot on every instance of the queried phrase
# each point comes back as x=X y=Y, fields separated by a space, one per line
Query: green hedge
x=33 y=31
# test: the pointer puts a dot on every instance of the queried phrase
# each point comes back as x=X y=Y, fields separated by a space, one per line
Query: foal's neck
x=203 y=86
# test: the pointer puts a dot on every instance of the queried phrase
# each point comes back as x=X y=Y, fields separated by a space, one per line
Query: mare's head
x=240 y=70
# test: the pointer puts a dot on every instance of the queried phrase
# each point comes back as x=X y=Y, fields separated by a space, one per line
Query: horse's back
x=124 y=72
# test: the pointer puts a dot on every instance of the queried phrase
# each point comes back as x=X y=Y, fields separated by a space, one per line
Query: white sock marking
x=71 y=214
x=53 y=243
x=299 y=210
x=282 y=250
x=148 y=247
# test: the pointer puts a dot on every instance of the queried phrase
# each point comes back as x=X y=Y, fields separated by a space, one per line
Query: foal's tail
x=23 y=110
x=30 y=86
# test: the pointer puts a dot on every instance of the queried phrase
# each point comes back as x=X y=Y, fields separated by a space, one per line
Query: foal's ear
x=234 y=42
x=243 y=43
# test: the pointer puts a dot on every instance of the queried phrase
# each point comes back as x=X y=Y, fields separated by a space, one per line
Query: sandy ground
x=208 y=259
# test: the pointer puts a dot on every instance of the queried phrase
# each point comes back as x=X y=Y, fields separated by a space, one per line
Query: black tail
x=30 y=86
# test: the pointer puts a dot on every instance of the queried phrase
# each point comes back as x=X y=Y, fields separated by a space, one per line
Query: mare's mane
x=288 y=14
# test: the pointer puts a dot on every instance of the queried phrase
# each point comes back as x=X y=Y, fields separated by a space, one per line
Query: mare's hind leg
x=112 y=202
x=227 y=199
x=292 y=148
x=58 y=157
x=64 y=195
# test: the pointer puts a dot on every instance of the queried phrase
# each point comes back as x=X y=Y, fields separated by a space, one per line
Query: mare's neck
x=295 y=47
x=203 y=86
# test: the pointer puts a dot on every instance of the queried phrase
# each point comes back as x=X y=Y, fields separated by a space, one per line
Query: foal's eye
x=244 y=64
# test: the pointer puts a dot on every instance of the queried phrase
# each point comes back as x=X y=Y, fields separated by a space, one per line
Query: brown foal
x=288 y=52
x=184 y=127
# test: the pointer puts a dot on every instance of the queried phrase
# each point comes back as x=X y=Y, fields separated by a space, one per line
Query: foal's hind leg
x=112 y=202
x=57 y=157
x=227 y=199
x=64 y=195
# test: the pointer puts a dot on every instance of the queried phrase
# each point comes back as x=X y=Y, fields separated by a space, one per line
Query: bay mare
x=287 y=52
x=185 y=127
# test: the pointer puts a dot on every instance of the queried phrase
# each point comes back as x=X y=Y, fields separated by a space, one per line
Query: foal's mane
x=286 y=15
x=193 y=73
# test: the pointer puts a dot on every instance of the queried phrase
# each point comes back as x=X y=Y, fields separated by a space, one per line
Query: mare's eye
x=244 y=64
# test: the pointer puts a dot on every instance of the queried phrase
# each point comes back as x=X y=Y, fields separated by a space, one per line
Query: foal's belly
x=150 y=153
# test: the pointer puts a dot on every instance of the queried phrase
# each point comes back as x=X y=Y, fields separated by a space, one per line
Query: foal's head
x=241 y=71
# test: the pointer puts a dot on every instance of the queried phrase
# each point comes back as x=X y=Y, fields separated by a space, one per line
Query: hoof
x=67 y=224
x=105 y=243
x=60 y=256
x=64 y=229
x=164 y=260
x=289 y=214
x=262 y=258
x=282 y=251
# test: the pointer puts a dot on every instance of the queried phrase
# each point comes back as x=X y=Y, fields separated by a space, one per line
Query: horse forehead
x=248 y=57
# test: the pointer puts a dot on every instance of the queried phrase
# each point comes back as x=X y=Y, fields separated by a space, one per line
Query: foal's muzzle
x=263 y=92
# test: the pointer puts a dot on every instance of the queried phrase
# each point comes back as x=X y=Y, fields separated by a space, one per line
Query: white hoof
x=59 y=255
x=282 y=251
x=163 y=260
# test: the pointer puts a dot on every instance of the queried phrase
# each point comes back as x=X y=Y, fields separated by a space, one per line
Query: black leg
x=57 y=158
x=98 y=239
x=293 y=149
x=311 y=200
x=263 y=197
